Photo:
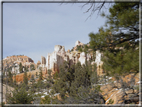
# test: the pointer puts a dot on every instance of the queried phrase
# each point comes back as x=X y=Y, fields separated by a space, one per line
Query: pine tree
x=20 y=96
x=119 y=44
x=46 y=100
x=25 y=80
x=20 y=67
x=75 y=85
x=120 y=48
x=49 y=79
x=10 y=80
x=32 y=67
x=40 y=75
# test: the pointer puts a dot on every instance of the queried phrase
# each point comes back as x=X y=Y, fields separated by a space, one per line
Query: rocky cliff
x=17 y=59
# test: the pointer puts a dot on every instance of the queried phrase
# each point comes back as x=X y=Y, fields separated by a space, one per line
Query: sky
x=33 y=29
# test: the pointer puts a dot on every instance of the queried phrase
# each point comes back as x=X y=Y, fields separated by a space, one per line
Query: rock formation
x=99 y=63
x=43 y=60
x=55 y=60
x=38 y=63
x=14 y=61
x=82 y=58
x=17 y=59
x=78 y=43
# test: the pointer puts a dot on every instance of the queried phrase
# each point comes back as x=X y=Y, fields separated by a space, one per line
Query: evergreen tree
x=46 y=100
x=49 y=79
x=75 y=84
x=40 y=84
x=20 y=67
x=119 y=42
x=10 y=80
x=33 y=85
x=40 y=75
x=20 y=96
x=25 y=80
x=32 y=67
x=26 y=69
x=14 y=83
x=32 y=79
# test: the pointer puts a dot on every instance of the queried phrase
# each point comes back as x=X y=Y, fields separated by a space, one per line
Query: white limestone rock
x=77 y=43
x=82 y=58
x=98 y=58
x=59 y=49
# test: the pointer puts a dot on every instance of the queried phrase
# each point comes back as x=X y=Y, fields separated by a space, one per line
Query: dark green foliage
x=40 y=76
x=63 y=82
x=46 y=100
x=50 y=82
x=20 y=96
x=123 y=63
x=40 y=85
x=20 y=67
x=119 y=42
x=79 y=48
x=14 y=82
x=32 y=67
x=111 y=101
x=26 y=69
x=25 y=80
x=32 y=79
x=82 y=48
x=10 y=80
x=74 y=84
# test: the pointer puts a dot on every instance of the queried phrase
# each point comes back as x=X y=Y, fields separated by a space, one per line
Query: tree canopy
x=20 y=96
x=120 y=40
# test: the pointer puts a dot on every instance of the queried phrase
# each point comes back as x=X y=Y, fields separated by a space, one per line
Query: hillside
x=17 y=59
x=11 y=61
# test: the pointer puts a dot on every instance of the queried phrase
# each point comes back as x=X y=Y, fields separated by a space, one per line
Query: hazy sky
x=33 y=29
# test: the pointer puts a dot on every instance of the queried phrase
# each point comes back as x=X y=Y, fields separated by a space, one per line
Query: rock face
x=15 y=60
x=78 y=43
x=99 y=63
x=38 y=63
x=43 y=60
x=82 y=58
x=56 y=59
x=59 y=49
